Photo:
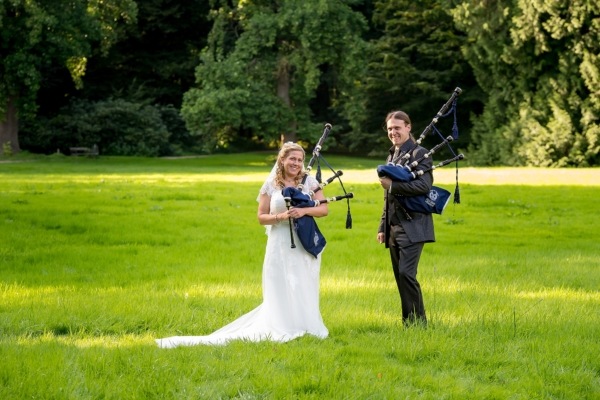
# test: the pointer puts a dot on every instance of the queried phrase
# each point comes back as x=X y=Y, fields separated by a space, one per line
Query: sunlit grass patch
x=100 y=257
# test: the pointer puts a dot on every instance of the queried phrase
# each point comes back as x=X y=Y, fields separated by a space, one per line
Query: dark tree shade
x=153 y=62
x=50 y=36
x=414 y=66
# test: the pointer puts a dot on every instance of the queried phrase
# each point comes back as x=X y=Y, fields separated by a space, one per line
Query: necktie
x=396 y=152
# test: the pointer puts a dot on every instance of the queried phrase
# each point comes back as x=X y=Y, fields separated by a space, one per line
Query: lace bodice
x=269 y=187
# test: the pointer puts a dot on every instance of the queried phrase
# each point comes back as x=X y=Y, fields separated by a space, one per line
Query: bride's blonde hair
x=286 y=149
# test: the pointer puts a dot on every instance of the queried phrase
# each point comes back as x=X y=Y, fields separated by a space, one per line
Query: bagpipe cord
x=454 y=136
x=318 y=176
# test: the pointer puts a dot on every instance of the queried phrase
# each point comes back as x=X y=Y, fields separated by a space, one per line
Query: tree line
x=169 y=77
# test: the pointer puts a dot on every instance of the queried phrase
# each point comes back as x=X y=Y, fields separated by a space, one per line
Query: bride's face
x=292 y=164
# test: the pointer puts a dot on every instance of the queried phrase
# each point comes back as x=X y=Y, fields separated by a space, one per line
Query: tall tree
x=538 y=62
x=37 y=33
x=414 y=66
x=264 y=64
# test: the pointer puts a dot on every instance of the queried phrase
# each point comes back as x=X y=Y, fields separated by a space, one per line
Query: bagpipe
x=399 y=168
x=306 y=228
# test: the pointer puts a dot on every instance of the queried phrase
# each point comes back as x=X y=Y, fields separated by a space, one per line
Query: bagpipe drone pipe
x=399 y=168
x=306 y=228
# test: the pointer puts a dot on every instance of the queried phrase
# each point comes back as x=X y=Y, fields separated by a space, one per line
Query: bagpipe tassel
x=456 y=195
x=456 y=190
x=348 y=220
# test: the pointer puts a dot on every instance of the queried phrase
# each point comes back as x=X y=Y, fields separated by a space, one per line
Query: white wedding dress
x=290 y=285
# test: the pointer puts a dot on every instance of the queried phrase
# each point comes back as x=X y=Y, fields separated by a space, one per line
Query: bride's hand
x=296 y=212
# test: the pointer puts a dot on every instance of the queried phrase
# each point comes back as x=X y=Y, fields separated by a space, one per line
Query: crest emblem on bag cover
x=432 y=197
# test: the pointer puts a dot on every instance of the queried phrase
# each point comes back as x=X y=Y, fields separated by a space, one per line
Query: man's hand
x=381 y=237
x=385 y=183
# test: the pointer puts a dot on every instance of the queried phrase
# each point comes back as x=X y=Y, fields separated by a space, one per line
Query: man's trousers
x=405 y=260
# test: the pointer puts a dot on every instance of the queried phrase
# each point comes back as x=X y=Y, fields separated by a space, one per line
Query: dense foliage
x=116 y=126
x=155 y=57
x=538 y=62
x=268 y=71
x=414 y=66
x=35 y=34
x=262 y=84
x=151 y=61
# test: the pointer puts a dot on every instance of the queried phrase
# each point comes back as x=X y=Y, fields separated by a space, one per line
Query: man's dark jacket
x=420 y=227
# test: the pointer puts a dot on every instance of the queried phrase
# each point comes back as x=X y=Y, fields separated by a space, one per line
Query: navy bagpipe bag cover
x=432 y=203
x=306 y=228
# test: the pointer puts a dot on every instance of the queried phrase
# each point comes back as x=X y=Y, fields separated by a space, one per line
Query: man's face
x=398 y=131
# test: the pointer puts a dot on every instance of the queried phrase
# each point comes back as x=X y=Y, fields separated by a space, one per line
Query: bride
x=290 y=278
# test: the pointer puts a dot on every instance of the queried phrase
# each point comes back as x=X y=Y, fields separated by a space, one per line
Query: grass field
x=100 y=257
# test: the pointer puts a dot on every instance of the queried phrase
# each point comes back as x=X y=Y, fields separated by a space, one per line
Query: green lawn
x=100 y=257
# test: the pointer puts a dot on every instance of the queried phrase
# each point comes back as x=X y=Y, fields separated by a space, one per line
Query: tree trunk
x=283 y=92
x=9 y=128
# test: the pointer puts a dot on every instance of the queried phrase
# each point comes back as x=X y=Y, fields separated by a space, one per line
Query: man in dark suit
x=406 y=232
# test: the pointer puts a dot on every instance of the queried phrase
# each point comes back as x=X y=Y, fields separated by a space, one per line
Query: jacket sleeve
x=383 y=215
x=420 y=185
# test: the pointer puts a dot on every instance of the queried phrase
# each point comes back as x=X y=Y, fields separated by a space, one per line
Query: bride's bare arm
x=264 y=214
